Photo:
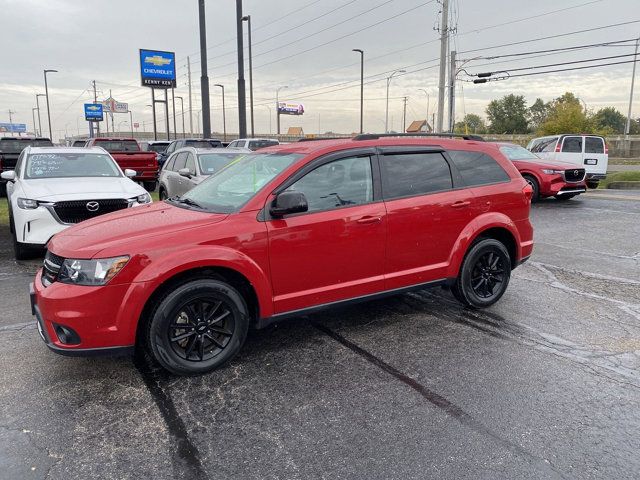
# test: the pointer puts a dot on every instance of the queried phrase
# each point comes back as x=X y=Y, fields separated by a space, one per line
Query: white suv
x=253 y=143
x=584 y=151
x=52 y=188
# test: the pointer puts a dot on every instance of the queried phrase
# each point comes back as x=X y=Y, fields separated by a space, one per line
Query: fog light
x=66 y=335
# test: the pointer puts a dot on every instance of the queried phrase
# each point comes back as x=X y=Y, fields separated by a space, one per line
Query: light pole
x=361 y=52
x=121 y=122
x=247 y=18
x=269 y=108
x=33 y=114
x=131 y=122
x=428 y=101
x=46 y=94
x=386 y=115
x=204 y=77
x=278 y=107
x=184 y=135
x=38 y=107
x=242 y=100
x=224 y=114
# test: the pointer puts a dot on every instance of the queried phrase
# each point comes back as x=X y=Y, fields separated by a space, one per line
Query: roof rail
x=375 y=136
x=311 y=139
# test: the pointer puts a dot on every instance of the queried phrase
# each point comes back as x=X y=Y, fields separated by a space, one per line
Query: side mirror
x=8 y=175
x=185 y=172
x=130 y=173
x=288 y=202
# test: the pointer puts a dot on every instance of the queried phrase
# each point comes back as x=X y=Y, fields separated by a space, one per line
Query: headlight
x=144 y=198
x=27 y=203
x=553 y=172
x=91 y=272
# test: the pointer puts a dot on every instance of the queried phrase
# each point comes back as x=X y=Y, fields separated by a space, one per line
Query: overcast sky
x=306 y=45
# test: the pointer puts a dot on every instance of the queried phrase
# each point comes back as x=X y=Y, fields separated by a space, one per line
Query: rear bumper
x=596 y=176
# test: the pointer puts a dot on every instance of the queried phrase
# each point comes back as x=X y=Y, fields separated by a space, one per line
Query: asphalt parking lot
x=545 y=384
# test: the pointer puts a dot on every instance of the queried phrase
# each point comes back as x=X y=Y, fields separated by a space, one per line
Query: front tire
x=198 y=327
x=19 y=250
x=534 y=185
x=163 y=194
x=484 y=275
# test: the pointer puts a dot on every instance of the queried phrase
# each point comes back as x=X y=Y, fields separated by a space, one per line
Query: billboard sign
x=285 y=108
x=93 y=112
x=111 y=106
x=157 y=69
x=13 y=127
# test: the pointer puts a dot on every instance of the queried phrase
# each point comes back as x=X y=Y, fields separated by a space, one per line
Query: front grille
x=574 y=175
x=51 y=268
x=78 y=210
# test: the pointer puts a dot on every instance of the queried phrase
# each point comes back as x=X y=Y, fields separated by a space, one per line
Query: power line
x=577 y=47
x=571 y=69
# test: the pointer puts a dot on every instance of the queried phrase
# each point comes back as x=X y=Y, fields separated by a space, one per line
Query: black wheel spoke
x=220 y=317
x=212 y=312
x=182 y=326
x=221 y=331
x=201 y=349
x=201 y=311
x=189 y=349
x=214 y=340
x=182 y=336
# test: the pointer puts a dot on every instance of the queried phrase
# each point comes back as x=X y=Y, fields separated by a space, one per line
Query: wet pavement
x=545 y=384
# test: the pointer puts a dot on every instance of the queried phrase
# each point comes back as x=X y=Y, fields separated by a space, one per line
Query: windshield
x=118 y=145
x=212 y=162
x=157 y=147
x=11 y=145
x=235 y=185
x=258 y=144
x=203 y=143
x=67 y=165
x=516 y=152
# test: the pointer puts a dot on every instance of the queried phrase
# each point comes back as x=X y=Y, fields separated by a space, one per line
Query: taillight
x=606 y=148
x=558 y=146
x=528 y=192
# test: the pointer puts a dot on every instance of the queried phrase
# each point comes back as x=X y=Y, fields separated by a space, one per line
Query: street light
x=131 y=124
x=38 y=106
x=428 y=101
x=184 y=135
x=361 y=52
x=247 y=18
x=224 y=114
x=46 y=94
x=269 y=108
x=33 y=114
x=278 y=107
x=120 y=123
x=386 y=116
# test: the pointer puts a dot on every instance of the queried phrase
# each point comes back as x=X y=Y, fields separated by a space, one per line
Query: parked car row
x=10 y=149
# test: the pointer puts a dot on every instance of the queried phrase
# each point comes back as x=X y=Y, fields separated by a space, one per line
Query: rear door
x=176 y=181
x=187 y=184
x=426 y=209
x=596 y=159
x=335 y=251
x=572 y=150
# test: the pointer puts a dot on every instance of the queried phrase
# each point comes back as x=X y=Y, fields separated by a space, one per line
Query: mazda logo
x=576 y=172
x=93 y=206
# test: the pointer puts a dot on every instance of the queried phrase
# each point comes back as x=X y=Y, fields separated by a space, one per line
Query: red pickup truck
x=128 y=154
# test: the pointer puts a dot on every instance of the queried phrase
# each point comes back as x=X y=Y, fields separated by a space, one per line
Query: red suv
x=282 y=232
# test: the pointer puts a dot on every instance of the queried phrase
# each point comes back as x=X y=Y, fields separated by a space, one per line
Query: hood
x=549 y=164
x=85 y=188
x=127 y=230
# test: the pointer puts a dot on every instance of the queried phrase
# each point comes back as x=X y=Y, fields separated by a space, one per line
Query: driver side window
x=344 y=182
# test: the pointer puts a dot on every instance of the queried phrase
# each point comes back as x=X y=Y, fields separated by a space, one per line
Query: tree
x=471 y=123
x=609 y=119
x=538 y=113
x=508 y=115
x=566 y=115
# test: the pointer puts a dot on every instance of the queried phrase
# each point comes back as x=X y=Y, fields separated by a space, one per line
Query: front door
x=335 y=250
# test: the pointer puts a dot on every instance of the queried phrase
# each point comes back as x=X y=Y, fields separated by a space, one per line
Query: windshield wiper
x=187 y=201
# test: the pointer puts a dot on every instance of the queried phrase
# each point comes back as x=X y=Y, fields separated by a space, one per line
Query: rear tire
x=149 y=186
x=536 y=188
x=484 y=274
x=197 y=327
x=163 y=194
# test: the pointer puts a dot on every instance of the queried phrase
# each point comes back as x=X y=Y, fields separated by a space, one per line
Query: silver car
x=189 y=166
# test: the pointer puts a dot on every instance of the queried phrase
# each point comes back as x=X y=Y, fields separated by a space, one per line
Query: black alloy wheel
x=197 y=327
x=484 y=275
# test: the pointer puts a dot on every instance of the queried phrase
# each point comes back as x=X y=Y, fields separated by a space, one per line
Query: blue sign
x=13 y=127
x=93 y=112
x=158 y=69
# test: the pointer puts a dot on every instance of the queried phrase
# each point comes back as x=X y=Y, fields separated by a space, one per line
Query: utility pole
x=361 y=52
x=131 y=122
x=444 y=40
x=452 y=92
x=278 y=108
x=386 y=116
x=11 y=112
x=242 y=100
x=627 y=128
x=35 y=127
x=224 y=112
x=46 y=94
x=95 y=100
x=247 y=18
x=404 y=115
x=190 y=101
x=182 y=108
x=204 y=78
x=38 y=106
x=173 y=102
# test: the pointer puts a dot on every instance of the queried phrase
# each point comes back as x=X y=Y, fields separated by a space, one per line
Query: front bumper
x=36 y=226
x=104 y=318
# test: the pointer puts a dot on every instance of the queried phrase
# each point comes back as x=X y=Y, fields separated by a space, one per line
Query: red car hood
x=550 y=165
x=125 y=227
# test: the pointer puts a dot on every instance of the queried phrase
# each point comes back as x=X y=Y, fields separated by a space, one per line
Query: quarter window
x=593 y=145
x=181 y=161
x=477 y=168
x=170 y=163
x=345 y=182
x=572 y=145
x=412 y=174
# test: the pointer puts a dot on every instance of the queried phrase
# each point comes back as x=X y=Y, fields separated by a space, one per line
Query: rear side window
x=181 y=161
x=406 y=175
x=477 y=168
x=572 y=145
x=593 y=145
x=544 y=145
x=170 y=163
x=190 y=164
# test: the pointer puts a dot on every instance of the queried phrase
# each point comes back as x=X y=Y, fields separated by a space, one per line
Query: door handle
x=369 y=220
x=460 y=204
